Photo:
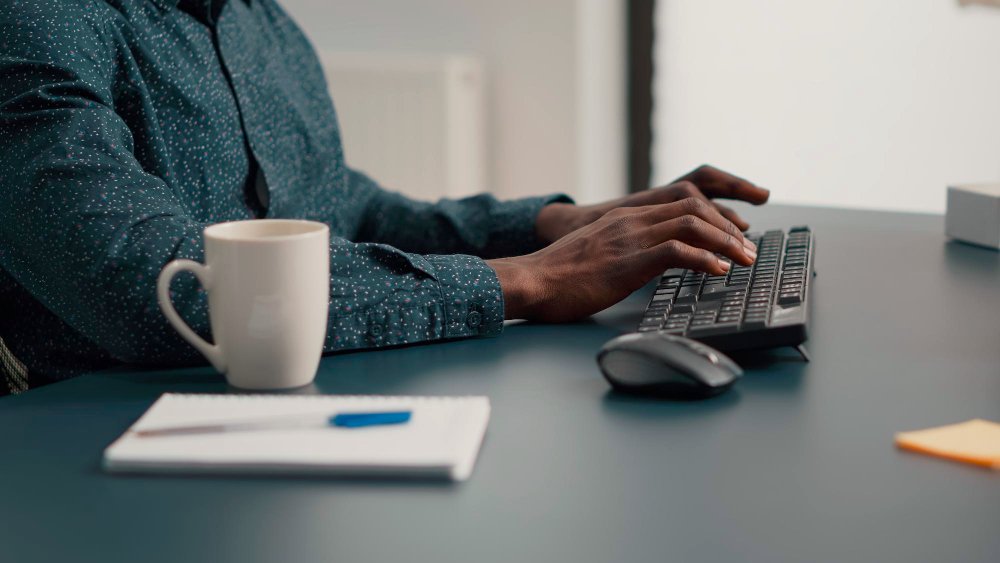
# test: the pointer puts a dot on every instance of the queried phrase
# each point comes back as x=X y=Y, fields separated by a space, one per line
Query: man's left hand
x=706 y=183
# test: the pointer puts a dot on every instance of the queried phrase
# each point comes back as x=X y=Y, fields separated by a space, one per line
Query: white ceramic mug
x=268 y=284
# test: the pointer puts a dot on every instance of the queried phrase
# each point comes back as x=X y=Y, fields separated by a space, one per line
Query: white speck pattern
x=127 y=126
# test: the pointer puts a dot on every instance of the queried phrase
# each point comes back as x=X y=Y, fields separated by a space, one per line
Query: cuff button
x=375 y=330
x=474 y=319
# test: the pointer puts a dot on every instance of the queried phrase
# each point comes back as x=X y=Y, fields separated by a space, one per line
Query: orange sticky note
x=976 y=441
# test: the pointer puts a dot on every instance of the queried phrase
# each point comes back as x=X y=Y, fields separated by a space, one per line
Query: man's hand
x=601 y=263
x=559 y=219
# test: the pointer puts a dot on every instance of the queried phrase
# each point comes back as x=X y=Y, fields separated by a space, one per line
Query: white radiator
x=414 y=123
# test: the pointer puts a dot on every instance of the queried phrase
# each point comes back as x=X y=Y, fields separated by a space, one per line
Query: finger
x=676 y=254
x=683 y=190
x=658 y=196
x=733 y=216
x=652 y=196
x=701 y=208
x=716 y=183
x=699 y=233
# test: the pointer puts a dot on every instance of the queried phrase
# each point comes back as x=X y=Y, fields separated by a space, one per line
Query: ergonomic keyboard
x=764 y=305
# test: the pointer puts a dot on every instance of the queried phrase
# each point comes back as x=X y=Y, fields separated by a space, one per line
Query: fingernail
x=749 y=245
x=751 y=254
x=724 y=265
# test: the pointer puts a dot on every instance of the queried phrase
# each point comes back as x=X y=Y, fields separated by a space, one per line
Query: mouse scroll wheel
x=707 y=352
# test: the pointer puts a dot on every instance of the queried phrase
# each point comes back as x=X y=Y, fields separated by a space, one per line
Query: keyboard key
x=790 y=298
x=712 y=329
x=717 y=292
x=682 y=308
x=687 y=294
x=704 y=305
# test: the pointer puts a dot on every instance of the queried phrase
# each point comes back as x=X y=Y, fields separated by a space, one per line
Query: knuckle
x=673 y=248
x=693 y=205
x=685 y=188
x=688 y=223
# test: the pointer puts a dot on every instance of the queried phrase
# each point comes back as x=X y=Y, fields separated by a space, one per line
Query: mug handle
x=204 y=275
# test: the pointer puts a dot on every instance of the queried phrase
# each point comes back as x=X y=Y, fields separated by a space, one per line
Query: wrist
x=522 y=293
x=555 y=220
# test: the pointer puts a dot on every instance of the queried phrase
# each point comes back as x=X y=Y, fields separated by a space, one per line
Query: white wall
x=533 y=70
x=858 y=103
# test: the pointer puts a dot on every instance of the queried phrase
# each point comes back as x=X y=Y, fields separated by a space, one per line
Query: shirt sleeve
x=479 y=225
x=85 y=230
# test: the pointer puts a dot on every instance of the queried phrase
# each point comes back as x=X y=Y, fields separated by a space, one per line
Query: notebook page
x=436 y=440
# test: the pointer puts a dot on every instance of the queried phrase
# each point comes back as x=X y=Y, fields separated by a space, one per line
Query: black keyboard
x=764 y=305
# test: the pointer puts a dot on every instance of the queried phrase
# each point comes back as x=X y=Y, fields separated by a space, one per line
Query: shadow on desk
x=970 y=259
x=626 y=406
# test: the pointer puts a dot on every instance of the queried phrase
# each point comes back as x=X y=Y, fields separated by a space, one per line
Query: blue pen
x=359 y=419
x=341 y=420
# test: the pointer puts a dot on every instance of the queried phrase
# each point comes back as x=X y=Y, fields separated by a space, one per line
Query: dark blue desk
x=797 y=464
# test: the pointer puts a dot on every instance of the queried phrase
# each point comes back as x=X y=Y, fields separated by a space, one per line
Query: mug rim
x=220 y=231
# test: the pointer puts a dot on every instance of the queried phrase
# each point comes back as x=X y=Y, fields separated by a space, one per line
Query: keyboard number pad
x=793 y=270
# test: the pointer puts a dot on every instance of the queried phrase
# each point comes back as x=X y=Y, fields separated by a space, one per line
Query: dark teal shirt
x=127 y=126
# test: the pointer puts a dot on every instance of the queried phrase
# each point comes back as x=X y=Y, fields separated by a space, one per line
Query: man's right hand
x=600 y=264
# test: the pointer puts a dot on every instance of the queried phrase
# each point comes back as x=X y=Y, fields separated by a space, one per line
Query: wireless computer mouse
x=664 y=365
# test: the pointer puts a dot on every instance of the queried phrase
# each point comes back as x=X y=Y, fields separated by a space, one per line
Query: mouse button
x=704 y=351
x=727 y=363
x=699 y=367
x=629 y=368
x=715 y=376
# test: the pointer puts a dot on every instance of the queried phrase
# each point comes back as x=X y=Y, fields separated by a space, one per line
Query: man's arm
x=86 y=230
x=82 y=227
x=479 y=225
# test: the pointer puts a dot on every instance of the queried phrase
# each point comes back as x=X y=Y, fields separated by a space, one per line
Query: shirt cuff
x=455 y=296
x=471 y=296
x=513 y=223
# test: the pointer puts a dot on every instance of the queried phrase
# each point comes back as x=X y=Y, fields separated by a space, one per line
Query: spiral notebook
x=441 y=439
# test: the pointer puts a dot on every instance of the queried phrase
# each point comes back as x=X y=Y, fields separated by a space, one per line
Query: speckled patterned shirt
x=127 y=126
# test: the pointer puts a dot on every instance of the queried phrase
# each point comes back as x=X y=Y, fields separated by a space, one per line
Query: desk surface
x=796 y=464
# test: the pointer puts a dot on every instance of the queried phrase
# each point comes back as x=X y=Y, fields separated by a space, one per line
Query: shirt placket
x=215 y=14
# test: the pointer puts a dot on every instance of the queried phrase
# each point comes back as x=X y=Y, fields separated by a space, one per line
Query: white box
x=973 y=214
